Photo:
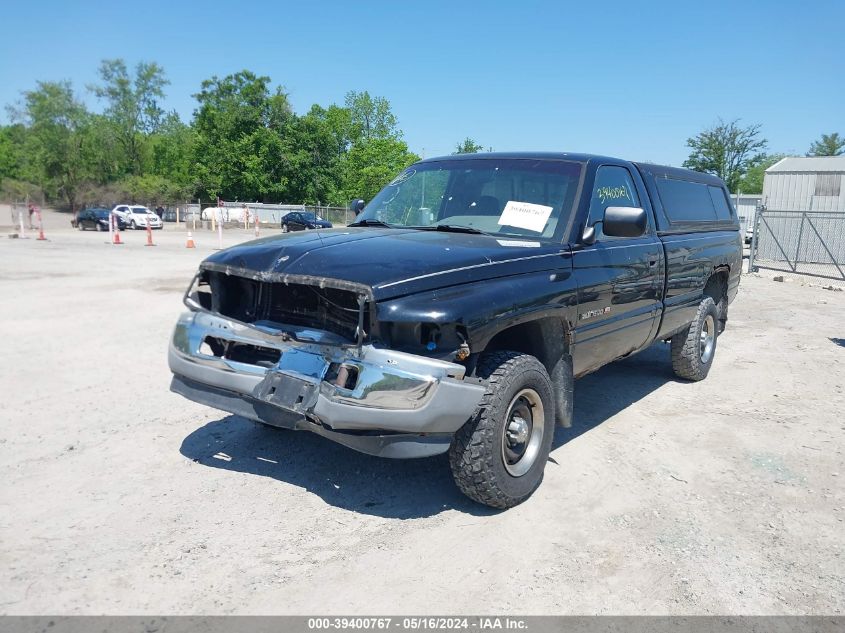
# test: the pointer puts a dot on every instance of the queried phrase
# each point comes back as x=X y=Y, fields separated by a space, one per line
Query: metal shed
x=806 y=184
x=801 y=225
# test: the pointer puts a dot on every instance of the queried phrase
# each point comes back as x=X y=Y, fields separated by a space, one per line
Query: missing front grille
x=317 y=307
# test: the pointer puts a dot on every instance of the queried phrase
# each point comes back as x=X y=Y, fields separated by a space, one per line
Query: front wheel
x=498 y=457
x=694 y=347
x=133 y=226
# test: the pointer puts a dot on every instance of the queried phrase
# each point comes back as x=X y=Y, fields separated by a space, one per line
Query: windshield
x=523 y=197
x=140 y=210
x=102 y=213
x=308 y=217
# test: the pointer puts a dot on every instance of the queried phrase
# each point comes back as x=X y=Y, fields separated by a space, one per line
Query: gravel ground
x=667 y=497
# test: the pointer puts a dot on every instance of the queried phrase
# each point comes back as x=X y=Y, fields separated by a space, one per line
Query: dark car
x=454 y=314
x=303 y=220
x=97 y=219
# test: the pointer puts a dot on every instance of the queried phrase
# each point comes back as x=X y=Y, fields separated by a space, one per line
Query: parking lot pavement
x=724 y=496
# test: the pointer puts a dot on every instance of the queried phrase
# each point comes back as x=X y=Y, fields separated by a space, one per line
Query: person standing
x=32 y=211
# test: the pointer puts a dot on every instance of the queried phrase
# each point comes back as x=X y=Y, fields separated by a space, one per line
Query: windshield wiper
x=460 y=228
x=368 y=222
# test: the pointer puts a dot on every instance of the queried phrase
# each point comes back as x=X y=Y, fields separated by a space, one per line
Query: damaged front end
x=299 y=352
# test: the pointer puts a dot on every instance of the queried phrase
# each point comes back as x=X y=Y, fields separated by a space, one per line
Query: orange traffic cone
x=190 y=243
x=41 y=228
x=149 y=235
x=116 y=236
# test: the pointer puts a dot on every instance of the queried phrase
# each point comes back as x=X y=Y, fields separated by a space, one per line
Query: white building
x=746 y=207
x=805 y=184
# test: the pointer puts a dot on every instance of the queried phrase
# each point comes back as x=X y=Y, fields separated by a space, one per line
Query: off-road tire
x=475 y=455
x=686 y=351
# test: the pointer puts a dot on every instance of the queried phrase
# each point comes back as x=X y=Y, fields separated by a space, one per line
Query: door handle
x=652 y=263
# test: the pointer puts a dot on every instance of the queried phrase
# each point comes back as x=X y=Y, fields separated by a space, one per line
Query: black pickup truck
x=456 y=311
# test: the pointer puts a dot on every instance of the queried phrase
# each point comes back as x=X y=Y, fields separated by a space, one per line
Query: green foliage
x=371 y=117
x=244 y=143
x=57 y=125
x=828 y=145
x=17 y=190
x=172 y=151
x=317 y=146
x=726 y=150
x=240 y=126
x=752 y=181
x=468 y=146
x=12 y=138
x=372 y=164
x=132 y=105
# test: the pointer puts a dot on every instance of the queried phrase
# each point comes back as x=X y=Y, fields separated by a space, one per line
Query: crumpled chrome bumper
x=400 y=405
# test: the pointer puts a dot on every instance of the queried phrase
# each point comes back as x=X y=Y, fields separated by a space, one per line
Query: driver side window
x=614 y=187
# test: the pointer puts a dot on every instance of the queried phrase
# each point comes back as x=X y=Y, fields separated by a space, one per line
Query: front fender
x=485 y=308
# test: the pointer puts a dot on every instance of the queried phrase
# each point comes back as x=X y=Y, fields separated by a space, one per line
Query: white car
x=137 y=217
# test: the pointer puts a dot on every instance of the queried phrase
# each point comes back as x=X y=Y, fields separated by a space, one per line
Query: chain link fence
x=801 y=242
x=238 y=213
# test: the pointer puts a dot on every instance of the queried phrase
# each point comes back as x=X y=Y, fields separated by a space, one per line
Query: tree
x=57 y=124
x=371 y=116
x=172 y=148
x=133 y=104
x=317 y=145
x=752 y=181
x=12 y=138
x=828 y=145
x=468 y=146
x=372 y=164
x=240 y=125
x=726 y=150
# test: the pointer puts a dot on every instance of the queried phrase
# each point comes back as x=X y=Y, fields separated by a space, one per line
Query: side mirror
x=357 y=205
x=624 y=221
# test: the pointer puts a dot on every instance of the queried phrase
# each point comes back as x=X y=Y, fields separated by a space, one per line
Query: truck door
x=620 y=280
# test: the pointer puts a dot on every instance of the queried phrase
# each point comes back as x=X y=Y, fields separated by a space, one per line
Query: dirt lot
x=724 y=496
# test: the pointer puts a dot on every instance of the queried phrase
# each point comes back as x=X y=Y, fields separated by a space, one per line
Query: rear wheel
x=285 y=228
x=694 y=347
x=499 y=455
x=79 y=225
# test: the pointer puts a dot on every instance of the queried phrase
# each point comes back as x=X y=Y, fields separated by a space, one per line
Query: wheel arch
x=547 y=338
x=716 y=287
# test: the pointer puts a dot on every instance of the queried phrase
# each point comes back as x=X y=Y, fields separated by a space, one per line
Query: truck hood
x=393 y=262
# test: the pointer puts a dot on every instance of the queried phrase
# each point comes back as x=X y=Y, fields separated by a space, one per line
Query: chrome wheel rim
x=523 y=432
x=707 y=339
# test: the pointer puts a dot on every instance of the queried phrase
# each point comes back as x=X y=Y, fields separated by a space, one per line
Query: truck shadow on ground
x=401 y=489
x=614 y=387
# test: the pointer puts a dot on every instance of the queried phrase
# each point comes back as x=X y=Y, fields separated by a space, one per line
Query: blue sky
x=631 y=79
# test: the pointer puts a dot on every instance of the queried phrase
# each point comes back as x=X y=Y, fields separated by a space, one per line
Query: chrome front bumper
x=401 y=405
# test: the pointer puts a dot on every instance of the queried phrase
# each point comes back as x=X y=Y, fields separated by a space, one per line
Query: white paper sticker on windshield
x=525 y=215
x=519 y=243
